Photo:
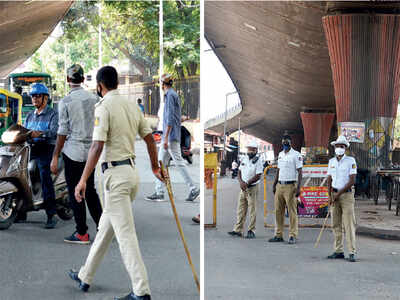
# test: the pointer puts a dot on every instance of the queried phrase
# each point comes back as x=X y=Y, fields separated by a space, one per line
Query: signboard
x=315 y=172
x=353 y=131
x=315 y=199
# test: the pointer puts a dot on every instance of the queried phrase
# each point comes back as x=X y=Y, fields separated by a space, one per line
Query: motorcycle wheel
x=8 y=211
x=64 y=211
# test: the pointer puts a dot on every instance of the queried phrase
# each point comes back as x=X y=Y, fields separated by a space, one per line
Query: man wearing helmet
x=74 y=137
x=43 y=123
x=250 y=170
x=170 y=146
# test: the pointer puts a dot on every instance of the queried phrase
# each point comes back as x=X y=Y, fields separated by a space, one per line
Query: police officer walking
x=74 y=136
x=117 y=122
x=250 y=170
x=170 y=145
x=286 y=189
x=43 y=123
x=342 y=171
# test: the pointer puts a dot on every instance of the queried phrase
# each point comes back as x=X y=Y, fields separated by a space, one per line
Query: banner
x=315 y=172
x=315 y=199
x=353 y=131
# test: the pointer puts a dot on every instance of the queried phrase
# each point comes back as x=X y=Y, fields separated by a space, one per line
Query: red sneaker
x=76 y=238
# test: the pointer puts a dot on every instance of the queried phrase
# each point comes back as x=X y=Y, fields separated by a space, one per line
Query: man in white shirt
x=342 y=171
x=286 y=189
x=250 y=170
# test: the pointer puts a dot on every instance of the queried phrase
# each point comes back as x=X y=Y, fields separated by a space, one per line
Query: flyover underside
x=24 y=26
x=277 y=56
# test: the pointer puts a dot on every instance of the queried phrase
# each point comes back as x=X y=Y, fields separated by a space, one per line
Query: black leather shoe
x=351 y=258
x=250 y=235
x=292 y=240
x=132 y=296
x=234 y=233
x=276 y=239
x=336 y=255
x=84 y=287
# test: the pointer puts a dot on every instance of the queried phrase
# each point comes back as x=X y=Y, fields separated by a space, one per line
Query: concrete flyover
x=296 y=64
x=24 y=26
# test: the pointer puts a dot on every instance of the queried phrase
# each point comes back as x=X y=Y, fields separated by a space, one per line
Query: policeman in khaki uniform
x=250 y=170
x=342 y=171
x=117 y=122
x=286 y=189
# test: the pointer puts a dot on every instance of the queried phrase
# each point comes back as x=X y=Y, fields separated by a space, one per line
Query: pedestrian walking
x=286 y=189
x=342 y=172
x=74 y=136
x=117 y=122
x=171 y=139
x=250 y=170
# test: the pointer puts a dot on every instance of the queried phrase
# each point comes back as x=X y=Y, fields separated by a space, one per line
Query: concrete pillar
x=365 y=62
x=317 y=130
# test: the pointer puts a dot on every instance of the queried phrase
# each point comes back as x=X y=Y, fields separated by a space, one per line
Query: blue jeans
x=42 y=154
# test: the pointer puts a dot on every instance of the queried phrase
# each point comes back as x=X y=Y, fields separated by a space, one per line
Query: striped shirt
x=46 y=121
x=76 y=121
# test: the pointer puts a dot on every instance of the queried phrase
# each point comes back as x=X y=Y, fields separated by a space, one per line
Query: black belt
x=336 y=190
x=286 y=182
x=106 y=165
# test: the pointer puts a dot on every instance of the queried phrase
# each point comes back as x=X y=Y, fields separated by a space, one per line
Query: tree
x=131 y=27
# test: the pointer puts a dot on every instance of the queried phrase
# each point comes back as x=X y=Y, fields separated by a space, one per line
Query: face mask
x=99 y=92
x=340 y=151
x=251 y=155
x=286 y=146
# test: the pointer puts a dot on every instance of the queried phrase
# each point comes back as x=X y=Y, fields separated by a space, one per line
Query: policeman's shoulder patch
x=353 y=166
x=96 y=121
x=300 y=158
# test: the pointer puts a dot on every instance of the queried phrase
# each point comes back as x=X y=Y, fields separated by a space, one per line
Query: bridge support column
x=365 y=61
x=317 y=130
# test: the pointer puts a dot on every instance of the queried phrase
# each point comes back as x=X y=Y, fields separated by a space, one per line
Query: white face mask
x=340 y=151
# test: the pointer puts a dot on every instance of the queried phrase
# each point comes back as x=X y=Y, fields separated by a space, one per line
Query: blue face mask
x=286 y=146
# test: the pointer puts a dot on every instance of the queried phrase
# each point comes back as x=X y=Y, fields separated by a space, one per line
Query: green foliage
x=397 y=127
x=131 y=28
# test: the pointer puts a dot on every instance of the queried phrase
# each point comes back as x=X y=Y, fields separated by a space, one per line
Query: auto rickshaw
x=10 y=109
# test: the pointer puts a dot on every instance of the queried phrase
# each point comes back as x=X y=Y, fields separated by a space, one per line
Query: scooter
x=186 y=142
x=20 y=187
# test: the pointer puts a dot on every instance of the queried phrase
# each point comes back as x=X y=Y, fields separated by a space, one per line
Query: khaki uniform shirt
x=117 y=122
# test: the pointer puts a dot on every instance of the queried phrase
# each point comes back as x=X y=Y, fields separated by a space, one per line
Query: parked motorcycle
x=20 y=187
x=186 y=143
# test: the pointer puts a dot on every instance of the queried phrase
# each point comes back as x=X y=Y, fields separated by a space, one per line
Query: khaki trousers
x=285 y=197
x=120 y=187
x=343 y=217
x=247 y=200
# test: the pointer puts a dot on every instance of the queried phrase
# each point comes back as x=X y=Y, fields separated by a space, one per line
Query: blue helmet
x=39 y=89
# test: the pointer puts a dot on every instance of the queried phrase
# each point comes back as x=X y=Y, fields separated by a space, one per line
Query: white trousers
x=173 y=151
x=120 y=187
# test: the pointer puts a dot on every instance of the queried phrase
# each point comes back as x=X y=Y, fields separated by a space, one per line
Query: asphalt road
x=237 y=268
x=34 y=261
